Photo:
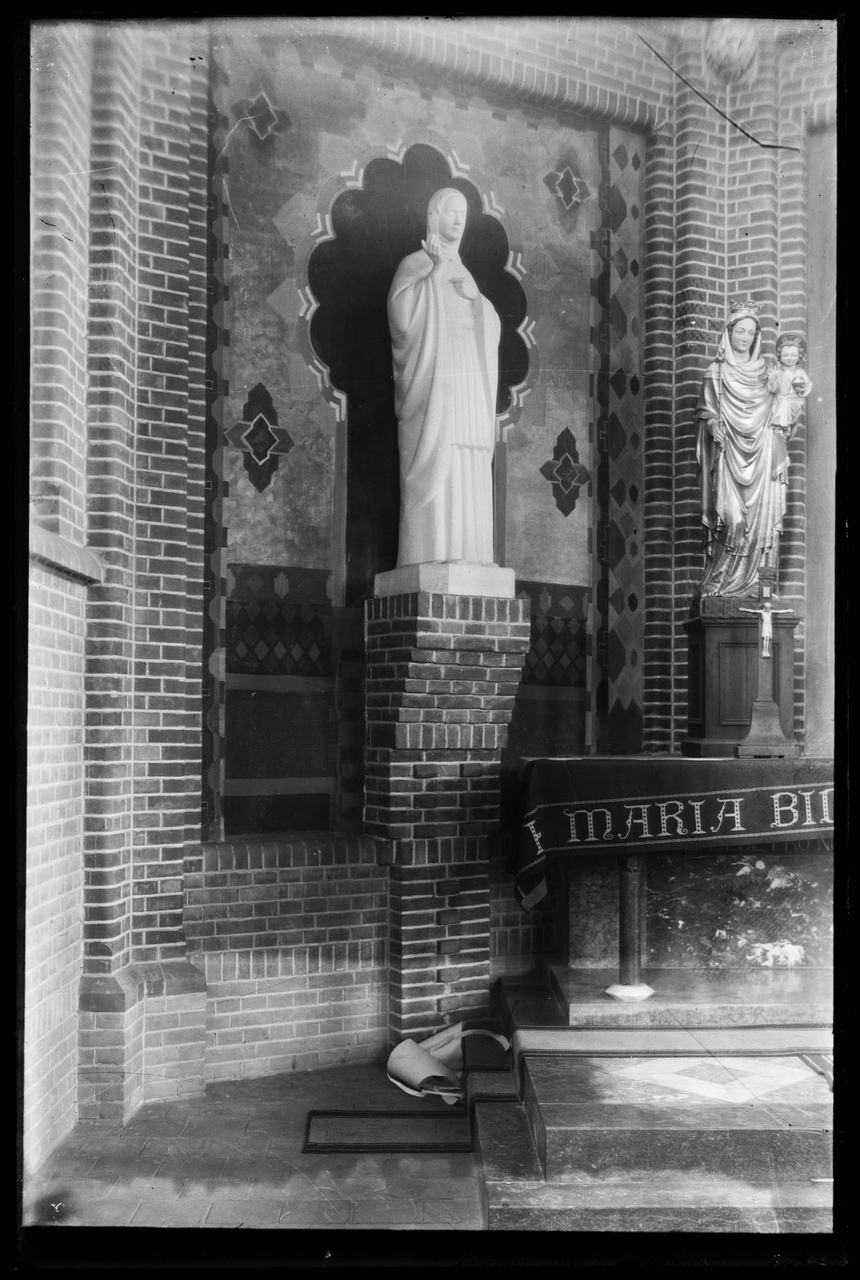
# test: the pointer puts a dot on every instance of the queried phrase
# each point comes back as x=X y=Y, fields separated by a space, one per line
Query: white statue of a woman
x=445 y=345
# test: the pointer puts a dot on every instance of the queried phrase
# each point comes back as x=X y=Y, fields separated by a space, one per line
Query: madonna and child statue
x=445 y=348
x=748 y=411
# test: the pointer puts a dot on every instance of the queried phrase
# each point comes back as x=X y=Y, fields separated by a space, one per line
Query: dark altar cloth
x=661 y=804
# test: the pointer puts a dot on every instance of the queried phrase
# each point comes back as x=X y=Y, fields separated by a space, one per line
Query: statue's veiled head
x=743 y=330
x=446 y=215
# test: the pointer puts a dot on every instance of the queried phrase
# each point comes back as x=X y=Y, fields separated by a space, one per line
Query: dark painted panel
x=268 y=814
x=279 y=735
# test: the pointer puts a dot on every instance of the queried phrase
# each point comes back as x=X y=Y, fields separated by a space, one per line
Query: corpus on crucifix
x=766 y=613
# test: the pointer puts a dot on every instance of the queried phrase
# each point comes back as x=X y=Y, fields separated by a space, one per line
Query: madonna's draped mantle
x=743 y=477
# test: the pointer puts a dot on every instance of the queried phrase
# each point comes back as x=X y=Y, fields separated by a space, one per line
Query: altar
x=640 y=806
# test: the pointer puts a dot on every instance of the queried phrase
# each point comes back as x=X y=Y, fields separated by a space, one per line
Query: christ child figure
x=790 y=385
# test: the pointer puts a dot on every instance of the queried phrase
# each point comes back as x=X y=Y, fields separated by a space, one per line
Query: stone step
x=515 y=1197
x=755 y=1119
x=529 y=1004
x=698 y=998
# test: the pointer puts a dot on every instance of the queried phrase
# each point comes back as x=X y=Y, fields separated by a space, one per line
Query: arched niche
x=374 y=227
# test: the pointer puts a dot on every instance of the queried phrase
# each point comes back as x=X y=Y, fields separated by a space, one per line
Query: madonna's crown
x=748 y=306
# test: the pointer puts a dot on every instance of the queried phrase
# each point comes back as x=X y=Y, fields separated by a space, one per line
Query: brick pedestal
x=442 y=673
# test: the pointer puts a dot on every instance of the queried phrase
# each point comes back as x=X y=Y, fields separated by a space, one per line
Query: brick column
x=703 y=151
x=792 y=315
x=659 y=507
x=442 y=673
x=146 y=354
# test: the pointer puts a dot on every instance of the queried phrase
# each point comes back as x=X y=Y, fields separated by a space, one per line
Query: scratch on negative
x=230 y=205
x=230 y=134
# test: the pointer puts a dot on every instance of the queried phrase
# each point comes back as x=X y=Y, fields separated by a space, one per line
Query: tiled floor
x=746 y=1083
x=234 y=1159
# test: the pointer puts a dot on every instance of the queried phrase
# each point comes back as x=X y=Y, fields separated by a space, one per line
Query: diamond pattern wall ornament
x=619 y=155
x=259 y=437
x=619 y=580
x=619 y=262
x=565 y=472
x=285 y=300
x=278 y=638
x=262 y=117
x=570 y=189
x=558 y=652
x=295 y=219
x=617 y=208
x=254 y=583
x=618 y=318
x=615 y=435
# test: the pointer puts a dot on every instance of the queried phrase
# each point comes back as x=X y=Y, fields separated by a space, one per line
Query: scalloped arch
x=322 y=230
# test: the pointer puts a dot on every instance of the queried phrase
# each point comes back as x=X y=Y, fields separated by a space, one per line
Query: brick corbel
x=121 y=991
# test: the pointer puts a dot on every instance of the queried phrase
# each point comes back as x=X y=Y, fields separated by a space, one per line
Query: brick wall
x=60 y=160
x=292 y=937
x=597 y=66
x=146 y=356
x=726 y=218
x=276 y=1011
x=119 y=165
x=111 y=492
x=54 y=888
x=659 y=505
x=807 y=104
x=57 y=586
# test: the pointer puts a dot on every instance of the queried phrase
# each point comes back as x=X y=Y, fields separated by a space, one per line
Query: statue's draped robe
x=743 y=478
x=446 y=361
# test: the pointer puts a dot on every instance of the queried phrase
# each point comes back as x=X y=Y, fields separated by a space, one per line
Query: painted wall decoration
x=619 y=563
x=550 y=712
x=259 y=437
x=570 y=189
x=323 y=163
x=565 y=472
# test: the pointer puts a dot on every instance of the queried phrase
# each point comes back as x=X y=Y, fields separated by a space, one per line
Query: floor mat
x=348 y=1131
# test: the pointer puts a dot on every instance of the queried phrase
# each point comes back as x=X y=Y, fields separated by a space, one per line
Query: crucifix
x=765 y=627
x=766 y=738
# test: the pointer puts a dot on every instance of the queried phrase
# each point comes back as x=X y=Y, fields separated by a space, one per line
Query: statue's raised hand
x=432 y=246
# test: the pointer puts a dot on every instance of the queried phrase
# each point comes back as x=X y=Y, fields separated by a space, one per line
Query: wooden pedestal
x=727 y=675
